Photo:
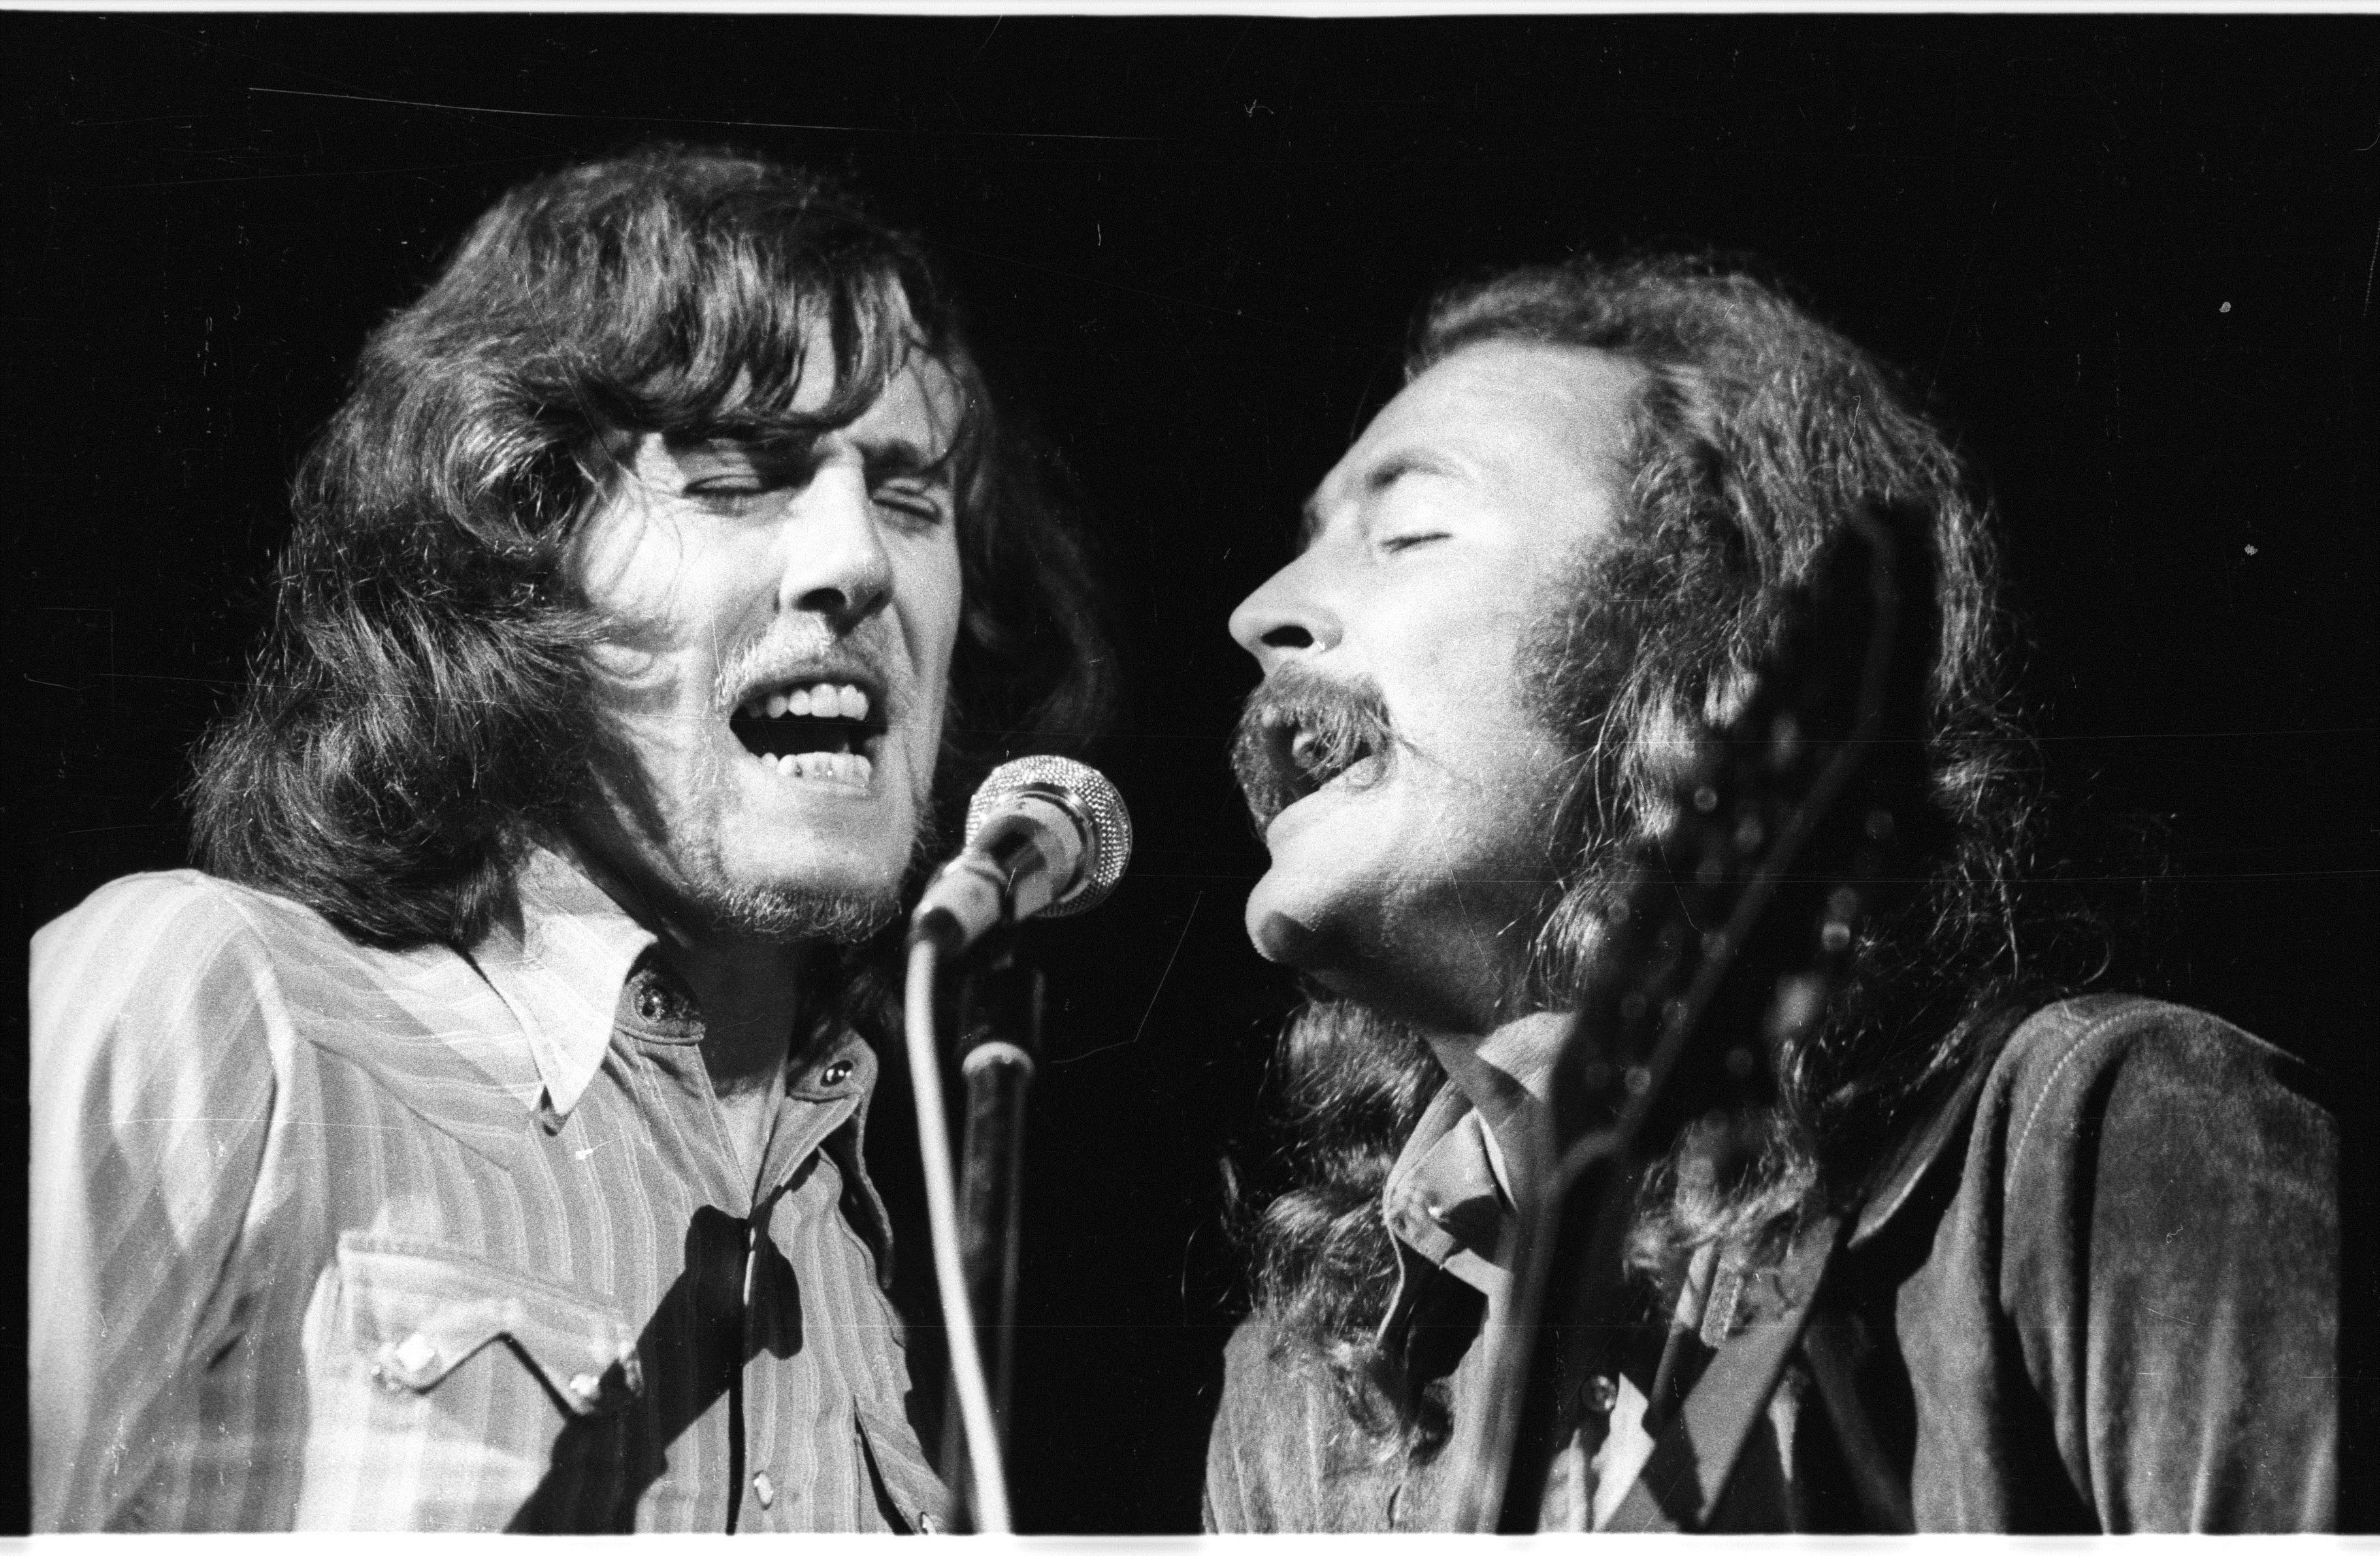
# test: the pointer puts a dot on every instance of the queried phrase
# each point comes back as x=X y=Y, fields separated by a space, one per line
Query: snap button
x=414 y=1353
x=836 y=1073
x=659 y=996
x=764 y=1488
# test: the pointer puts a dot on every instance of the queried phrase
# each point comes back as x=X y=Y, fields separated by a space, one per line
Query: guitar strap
x=1695 y=1452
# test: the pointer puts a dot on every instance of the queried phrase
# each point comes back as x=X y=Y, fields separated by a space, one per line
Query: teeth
x=824 y=701
x=824 y=766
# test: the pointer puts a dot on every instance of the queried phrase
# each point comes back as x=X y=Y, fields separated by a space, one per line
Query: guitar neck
x=1738 y=922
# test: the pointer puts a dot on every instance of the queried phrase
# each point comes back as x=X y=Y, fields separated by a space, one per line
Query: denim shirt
x=2110 y=1306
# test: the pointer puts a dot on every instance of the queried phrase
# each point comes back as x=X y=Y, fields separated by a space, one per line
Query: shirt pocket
x=904 y=1482
x=414 y=1313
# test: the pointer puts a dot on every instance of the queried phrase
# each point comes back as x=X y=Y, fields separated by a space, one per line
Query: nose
x=835 y=563
x=1288 y=617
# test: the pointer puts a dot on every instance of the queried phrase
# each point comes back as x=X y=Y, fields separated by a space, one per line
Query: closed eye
x=727 y=486
x=909 y=480
x=1399 y=517
x=726 y=474
x=923 y=502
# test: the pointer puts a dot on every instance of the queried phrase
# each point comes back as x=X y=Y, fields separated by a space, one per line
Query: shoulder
x=136 y=936
x=1262 y=1389
x=177 y=961
x=1250 y=1355
x=1286 y=1454
x=2117 y=1070
x=2150 y=1204
x=171 y=915
x=1255 y=1465
x=2122 y=1136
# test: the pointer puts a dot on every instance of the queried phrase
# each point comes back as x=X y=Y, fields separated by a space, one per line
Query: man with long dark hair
x=475 y=1144
x=2048 y=1258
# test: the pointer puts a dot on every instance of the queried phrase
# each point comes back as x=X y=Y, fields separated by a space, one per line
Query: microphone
x=1045 y=836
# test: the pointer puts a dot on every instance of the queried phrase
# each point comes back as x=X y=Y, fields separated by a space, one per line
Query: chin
x=805 y=887
x=1312 y=932
x=785 y=914
x=1396 y=946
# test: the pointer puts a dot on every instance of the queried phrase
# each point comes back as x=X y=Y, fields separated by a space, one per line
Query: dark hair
x=424 y=693
x=1754 y=432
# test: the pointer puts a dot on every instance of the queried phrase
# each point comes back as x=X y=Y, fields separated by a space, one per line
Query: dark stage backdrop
x=2132 y=260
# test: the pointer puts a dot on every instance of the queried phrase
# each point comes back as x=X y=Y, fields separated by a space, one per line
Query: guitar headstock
x=1804 y=816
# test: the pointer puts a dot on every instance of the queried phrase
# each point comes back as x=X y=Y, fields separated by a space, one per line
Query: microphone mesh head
x=1094 y=801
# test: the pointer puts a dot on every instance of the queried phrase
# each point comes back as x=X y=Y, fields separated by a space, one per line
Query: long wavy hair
x=1754 y=432
x=422 y=699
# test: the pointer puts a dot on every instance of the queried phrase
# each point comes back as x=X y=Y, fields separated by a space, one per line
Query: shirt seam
x=2103 y=1025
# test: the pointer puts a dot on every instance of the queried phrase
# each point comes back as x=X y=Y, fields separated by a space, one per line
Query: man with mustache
x=2080 y=1248
x=476 y=1145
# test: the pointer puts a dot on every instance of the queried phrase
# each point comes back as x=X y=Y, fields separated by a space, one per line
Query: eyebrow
x=1382 y=474
x=902 y=457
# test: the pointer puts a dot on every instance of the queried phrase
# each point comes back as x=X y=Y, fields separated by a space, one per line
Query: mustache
x=1340 y=721
x=780 y=657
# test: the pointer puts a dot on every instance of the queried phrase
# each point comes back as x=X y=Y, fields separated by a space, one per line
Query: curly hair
x=422 y=698
x=1753 y=433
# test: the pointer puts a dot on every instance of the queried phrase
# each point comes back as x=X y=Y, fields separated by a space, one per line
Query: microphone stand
x=1001 y=1033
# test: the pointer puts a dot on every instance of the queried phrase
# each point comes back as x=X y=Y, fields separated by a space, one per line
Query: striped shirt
x=325 y=1237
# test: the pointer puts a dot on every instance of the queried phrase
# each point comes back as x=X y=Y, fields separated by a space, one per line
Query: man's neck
x=749 y=993
x=750 y=1000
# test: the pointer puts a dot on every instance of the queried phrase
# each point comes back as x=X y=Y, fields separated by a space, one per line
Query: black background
x=2131 y=259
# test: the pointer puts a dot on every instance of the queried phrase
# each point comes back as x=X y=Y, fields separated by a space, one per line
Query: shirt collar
x=1444 y=1207
x=559 y=960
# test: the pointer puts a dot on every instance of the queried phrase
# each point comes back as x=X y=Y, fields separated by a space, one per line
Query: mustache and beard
x=642 y=798
x=1590 y=674
x=1299 y=730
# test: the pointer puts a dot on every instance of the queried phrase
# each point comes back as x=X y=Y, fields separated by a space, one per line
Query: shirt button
x=414 y=1353
x=764 y=1488
x=1599 y=1393
x=586 y=1386
x=836 y=1073
x=929 y=1524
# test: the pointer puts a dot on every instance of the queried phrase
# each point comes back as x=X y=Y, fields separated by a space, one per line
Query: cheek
x=933 y=594
x=1461 y=701
x=625 y=553
x=637 y=574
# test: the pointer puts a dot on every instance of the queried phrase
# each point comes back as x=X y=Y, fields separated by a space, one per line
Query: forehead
x=919 y=392
x=922 y=404
x=1500 y=412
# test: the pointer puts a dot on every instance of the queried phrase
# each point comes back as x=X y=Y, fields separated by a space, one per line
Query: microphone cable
x=981 y=1432
x=1047 y=836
